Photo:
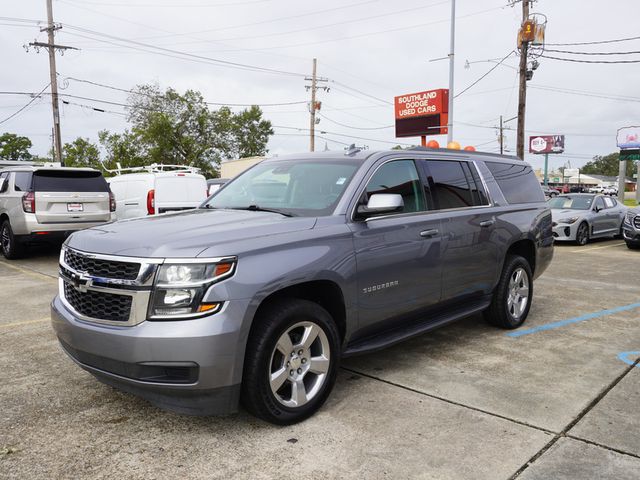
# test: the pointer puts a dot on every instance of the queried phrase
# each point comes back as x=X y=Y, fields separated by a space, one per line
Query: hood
x=557 y=213
x=184 y=234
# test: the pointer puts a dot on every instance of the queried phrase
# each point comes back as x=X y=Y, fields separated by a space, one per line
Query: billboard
x=628 y=138
x=546 y=144
x=422 y=113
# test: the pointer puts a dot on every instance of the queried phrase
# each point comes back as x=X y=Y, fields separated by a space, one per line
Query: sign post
x=546 y=144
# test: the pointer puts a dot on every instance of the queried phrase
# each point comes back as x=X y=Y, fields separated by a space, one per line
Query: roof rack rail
x=153 y=168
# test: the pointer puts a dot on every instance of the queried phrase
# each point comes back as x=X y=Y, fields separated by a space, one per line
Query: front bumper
x=187 y=366
x=631 y=235
x=565 y=231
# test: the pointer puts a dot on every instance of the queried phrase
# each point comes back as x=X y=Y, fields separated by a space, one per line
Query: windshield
x=573 y=202
x=293 y=187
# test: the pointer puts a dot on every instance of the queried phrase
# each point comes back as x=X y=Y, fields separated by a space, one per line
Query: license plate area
x=75 y=207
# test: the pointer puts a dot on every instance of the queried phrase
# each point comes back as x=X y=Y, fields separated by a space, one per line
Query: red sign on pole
x=422 y=113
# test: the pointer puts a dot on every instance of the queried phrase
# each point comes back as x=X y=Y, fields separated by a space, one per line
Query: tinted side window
x=22 y=181
x=399 y=177
x=477 y=187
x=599 y=203
x=517 y=182
x=69 y=181
x=450 y=184
x=4 y=186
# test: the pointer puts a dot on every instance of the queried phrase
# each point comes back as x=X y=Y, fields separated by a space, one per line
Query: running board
x=392 y=336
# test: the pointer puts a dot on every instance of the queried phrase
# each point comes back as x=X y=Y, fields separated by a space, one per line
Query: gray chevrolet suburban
x=300 y=261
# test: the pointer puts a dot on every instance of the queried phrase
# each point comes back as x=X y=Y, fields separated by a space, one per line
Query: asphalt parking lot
x=557 y=399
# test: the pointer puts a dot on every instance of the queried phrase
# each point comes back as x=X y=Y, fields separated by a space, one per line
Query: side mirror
x=381 y=203
x=596 y=209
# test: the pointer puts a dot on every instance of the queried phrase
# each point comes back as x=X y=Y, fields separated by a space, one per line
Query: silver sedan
x=579 y=217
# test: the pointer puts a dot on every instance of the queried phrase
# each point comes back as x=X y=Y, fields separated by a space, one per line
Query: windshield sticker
x=341 y=181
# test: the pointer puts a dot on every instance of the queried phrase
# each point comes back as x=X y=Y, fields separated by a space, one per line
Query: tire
x=275 y=398
x=633 y=246
x=9 y=243
x=512 y=297
x=582 y=234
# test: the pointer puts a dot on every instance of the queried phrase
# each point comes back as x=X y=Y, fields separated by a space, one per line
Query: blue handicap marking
x=569 y=321
x=626 y=357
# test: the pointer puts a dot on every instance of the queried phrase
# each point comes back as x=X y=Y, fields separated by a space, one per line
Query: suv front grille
x=99 y=305
x=101 y=268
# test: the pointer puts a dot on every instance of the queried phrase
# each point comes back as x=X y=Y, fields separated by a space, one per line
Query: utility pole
x=52 y=47
x=451 y=66
x=314 y=105
x=522 y=96
x=501 y=136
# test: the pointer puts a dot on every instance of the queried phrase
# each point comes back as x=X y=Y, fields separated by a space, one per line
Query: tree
x=608 y=165
x=180 y=129
x=81 y=153
x=124 y=148
x=14 y=147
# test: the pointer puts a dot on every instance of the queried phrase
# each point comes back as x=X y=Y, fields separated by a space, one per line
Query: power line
x=174 y=5
x=364 y=94
x=600 y=42
x=487 y=73
x=590 y=61
x=111 y=87
x=585 y=93
x=591 y=53
x=355 y=128
x=162 y=50
x=35 y=97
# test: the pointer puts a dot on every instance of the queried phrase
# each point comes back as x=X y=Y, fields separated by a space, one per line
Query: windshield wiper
x=256 y=208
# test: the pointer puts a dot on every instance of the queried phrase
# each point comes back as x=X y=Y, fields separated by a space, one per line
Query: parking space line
x=569 y=321
x=587 y=250
x=625 y=357
x=29 y=271
x=26 y=322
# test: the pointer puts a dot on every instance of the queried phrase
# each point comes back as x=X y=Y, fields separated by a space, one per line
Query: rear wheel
x=291 y=362
x=512 y=297
x=9 y=244
x=582 y=235
x=633 y=246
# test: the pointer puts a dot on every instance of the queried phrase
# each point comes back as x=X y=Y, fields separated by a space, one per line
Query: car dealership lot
x=555 y=399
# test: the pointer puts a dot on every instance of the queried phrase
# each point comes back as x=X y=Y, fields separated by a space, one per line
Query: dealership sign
x=546 y=144
x=422 y=113
x=628 y=138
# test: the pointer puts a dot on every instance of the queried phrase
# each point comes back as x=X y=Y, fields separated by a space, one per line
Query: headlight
x=180 y=288
x=569 y=220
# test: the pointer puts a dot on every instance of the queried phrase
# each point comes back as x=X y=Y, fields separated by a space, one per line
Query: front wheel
x=291 y=362
x=633 y=245
x=582 y=235
x=512 y=297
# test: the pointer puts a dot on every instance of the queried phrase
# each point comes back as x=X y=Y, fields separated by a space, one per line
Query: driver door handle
x=487 y=223
x=429 y=233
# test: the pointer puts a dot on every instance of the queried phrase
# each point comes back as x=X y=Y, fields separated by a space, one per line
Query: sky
x=260 y=51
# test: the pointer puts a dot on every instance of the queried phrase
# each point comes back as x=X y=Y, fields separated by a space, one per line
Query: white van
x=156 y=189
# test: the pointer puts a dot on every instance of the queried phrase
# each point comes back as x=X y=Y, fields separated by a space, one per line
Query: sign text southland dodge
x=421 y=104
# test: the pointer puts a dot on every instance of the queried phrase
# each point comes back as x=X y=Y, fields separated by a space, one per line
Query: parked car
x=45 y=204
x=156 y=189
x=214 y=184
x=582 y=216
x=631 y=228
x=610 y=190
x=596 y=189
x=294 y=264
x=550 y=192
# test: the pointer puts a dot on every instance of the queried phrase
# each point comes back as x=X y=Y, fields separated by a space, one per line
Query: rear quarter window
x=69 y=181
x=517 y=182
x=22 y=182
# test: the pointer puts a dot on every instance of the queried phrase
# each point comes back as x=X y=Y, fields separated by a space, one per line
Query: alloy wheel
x=582 y=235
x=299 y=364
x=518 y=296
x=5 y=239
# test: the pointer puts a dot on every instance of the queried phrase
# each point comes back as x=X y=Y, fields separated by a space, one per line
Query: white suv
x=45 y=204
